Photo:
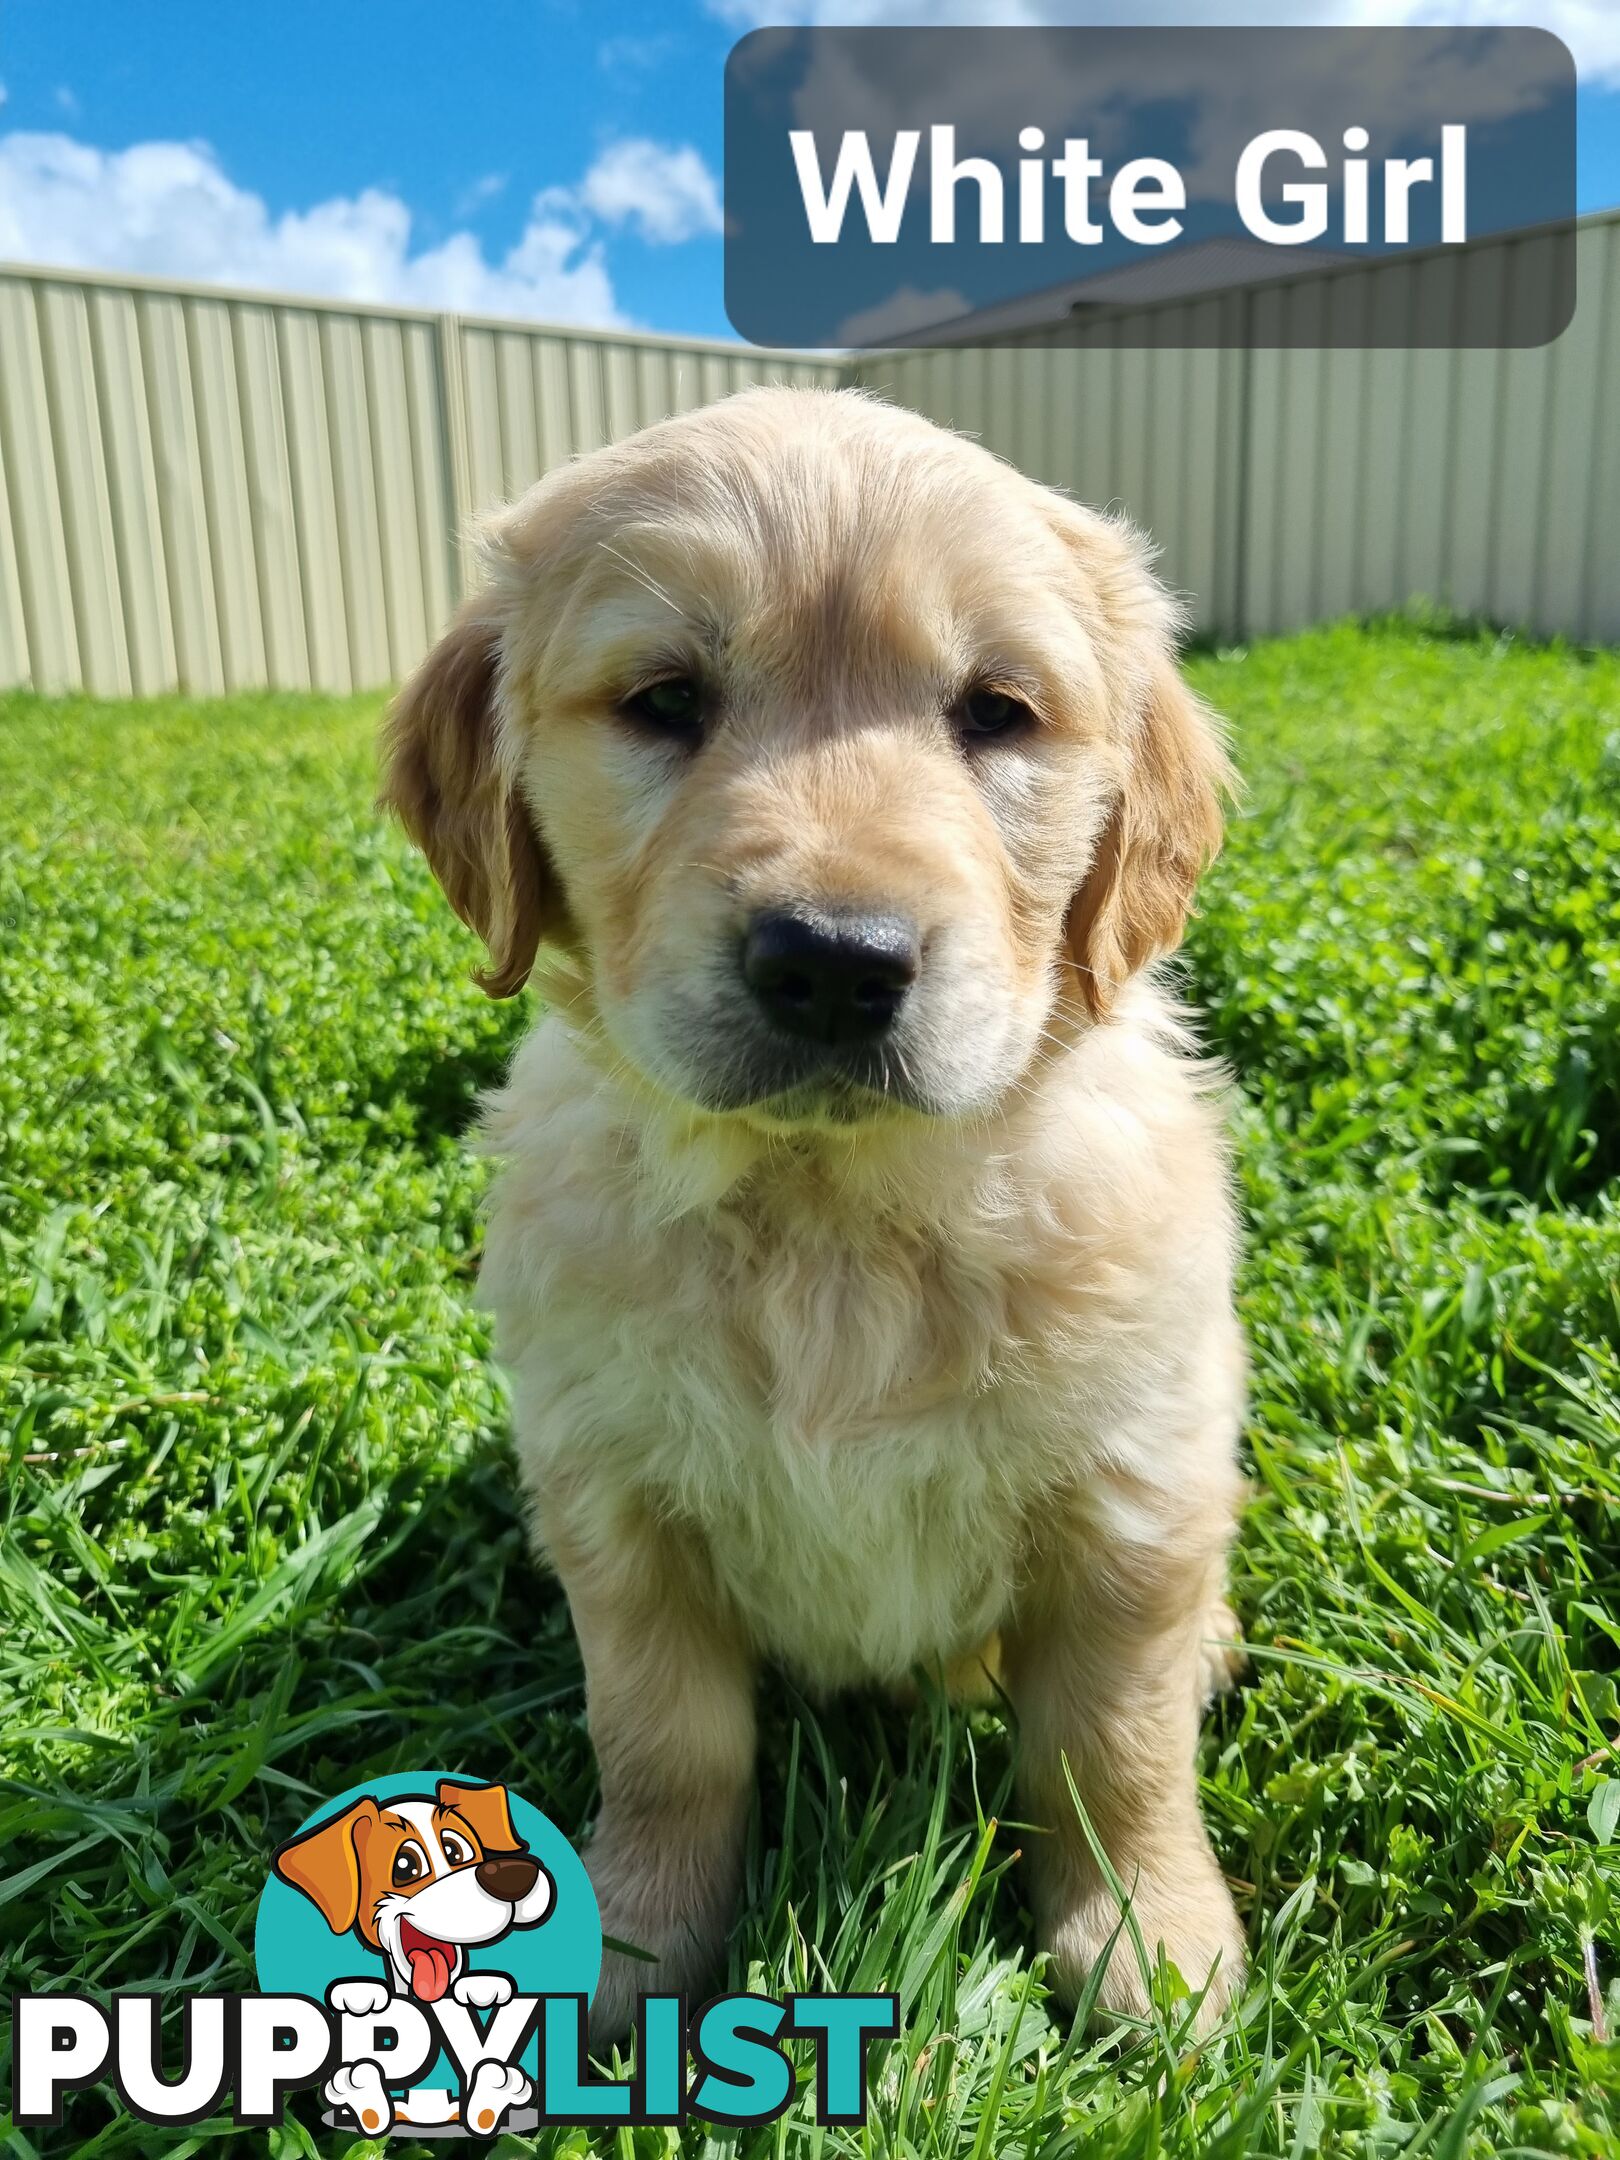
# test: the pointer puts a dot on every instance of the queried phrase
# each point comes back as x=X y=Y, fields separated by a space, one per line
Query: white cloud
x=667 y=195
x=478 y=192
x=65 y=101
x=635 y=55
x=168 y=209
x=1590 y=28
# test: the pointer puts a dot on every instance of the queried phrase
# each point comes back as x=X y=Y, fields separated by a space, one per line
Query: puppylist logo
x=427 y=1947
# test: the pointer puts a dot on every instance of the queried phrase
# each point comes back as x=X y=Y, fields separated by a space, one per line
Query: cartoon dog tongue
x=431 y=1963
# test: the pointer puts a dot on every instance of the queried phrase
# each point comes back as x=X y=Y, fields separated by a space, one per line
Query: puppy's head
x=833 y=751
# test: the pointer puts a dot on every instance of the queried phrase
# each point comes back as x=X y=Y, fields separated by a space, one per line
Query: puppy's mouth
x=830 y=1089
x=432 y=1962
x=832 y=1101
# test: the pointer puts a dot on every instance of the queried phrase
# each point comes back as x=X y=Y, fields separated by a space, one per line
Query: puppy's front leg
x=1104 y=1664
x=669 y=1696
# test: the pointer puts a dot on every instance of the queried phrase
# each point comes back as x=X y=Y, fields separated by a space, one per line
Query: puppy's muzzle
x=507 y=1876
x=833 y=979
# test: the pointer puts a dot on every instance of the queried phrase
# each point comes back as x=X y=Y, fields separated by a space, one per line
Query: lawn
x=260 y=1537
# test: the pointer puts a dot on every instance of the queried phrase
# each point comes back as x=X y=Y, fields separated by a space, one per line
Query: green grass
x=260 y=1537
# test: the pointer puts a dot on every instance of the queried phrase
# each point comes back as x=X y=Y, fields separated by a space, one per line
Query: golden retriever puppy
x=862 y=1249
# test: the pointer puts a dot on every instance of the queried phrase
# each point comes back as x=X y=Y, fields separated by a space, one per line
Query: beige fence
x=213 y=491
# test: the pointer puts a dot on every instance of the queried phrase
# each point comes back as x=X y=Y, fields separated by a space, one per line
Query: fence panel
x=267 y=451
x=37 y=539
x=13 y=623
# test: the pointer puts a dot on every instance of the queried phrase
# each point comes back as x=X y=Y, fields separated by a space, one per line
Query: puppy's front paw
x=673 y=1902
x=496 y=2089
x=482 y=1990
x=360 y=2091
x=1188 y=1910
x=622 y=1983
x=358 y=1998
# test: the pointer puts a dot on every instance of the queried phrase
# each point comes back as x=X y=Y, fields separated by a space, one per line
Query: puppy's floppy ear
x=1163 y=825
x=1163 y=831
x=443 y=778
x=325 y=1864
x=486 y=1808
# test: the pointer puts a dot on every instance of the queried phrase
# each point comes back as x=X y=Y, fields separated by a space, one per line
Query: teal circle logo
x=421 y=1882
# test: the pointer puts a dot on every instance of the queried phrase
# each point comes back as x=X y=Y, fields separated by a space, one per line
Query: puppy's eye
x=983 y=714
x=673 y=706
x=410 y=1865
x=456 y=1849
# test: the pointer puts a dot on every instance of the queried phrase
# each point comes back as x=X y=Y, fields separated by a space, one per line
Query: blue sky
x=535 y=157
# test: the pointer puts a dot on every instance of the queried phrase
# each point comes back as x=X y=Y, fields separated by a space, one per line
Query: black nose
x=832 y=979
x=508 y=1875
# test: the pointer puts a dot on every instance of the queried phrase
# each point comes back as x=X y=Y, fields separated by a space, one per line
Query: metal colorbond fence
x=1287 y=486
x=217 y=491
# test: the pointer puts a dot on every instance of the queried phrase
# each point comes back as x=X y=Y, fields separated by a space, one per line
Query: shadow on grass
x=433 y=1093
x=444 y=1647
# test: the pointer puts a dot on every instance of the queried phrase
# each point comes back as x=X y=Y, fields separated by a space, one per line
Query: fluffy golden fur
x=851 y=1363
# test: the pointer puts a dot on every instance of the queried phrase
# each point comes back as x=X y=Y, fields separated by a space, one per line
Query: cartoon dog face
x=421 y=1879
